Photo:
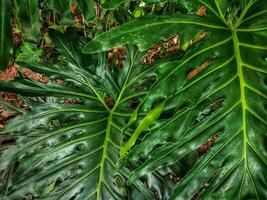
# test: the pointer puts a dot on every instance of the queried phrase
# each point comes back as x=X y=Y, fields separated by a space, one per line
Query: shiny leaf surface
x=5 y=34
x=218 y=88
x=69 y=147
x=180 y=116
x=28 y=19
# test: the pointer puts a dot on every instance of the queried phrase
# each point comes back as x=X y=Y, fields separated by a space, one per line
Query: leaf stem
x=242 y=93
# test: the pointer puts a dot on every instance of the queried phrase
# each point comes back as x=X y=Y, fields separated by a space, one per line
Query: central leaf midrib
x=242 y=92
x=102 y=162
x=108 y=129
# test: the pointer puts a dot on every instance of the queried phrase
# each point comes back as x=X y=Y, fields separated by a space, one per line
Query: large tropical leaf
x=68 y=144
x=5 y=34
x=28 y=19
x=217 y=89
x=129 y=123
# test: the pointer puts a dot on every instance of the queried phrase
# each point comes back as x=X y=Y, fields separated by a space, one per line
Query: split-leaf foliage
x=134 y=130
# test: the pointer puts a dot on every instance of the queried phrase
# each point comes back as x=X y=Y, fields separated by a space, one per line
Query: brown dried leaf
x=170 y=46
x=204 y=148
x=77 y=15
x=72 y=101
x=10 y=97
x=117 y=57
x=35 y=76
x=109 y=101
x=10 y=74
x=202 y=11
x=151 y=54
x=199 y=69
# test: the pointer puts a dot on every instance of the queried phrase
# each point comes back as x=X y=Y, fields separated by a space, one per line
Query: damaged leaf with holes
x=169 y=105
x=216 y=97
x=68 y=142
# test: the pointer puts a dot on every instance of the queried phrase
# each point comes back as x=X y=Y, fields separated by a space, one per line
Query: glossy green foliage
x=5 y=34
x=61 y=9
x=65 y=150
x=227 y=98
x=28 y=19
x=101 y=130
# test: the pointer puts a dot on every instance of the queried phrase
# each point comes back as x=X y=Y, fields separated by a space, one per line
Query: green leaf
x=29 y=51
x=218 y=88
x=152 y=116
x=70 y=151
x=6 y=43
x=28 y=19
x=61 y=10
x=87 y=8
x=206 y=141
x=133 y=32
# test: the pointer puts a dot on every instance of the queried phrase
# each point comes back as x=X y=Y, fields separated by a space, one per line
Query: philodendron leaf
x=218 y=90
x=187 y=110
x=5 y=34
x=69 y=147
x=28 y=18
x=144 y=31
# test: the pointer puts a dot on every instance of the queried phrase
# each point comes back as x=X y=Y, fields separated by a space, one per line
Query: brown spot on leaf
x=9 y=74
x=16 y=35
x=35 y=76
x=202 y=11
x=174 y=177
x=196 y=71
x=197 y=38
x=77 y=15
x=116 y=57
x=151 y=54
x=134 y=104
x=202 y=35
x=164 y=48
x=6 y=141
x=204 y=148
x=172 y=44
x=109 y=101
x=59 y=81
x=10 y=97
x=72 y=101
x=4 y=117
x=45 y=42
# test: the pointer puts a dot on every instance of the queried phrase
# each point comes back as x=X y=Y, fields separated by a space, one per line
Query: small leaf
x=151 y=117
